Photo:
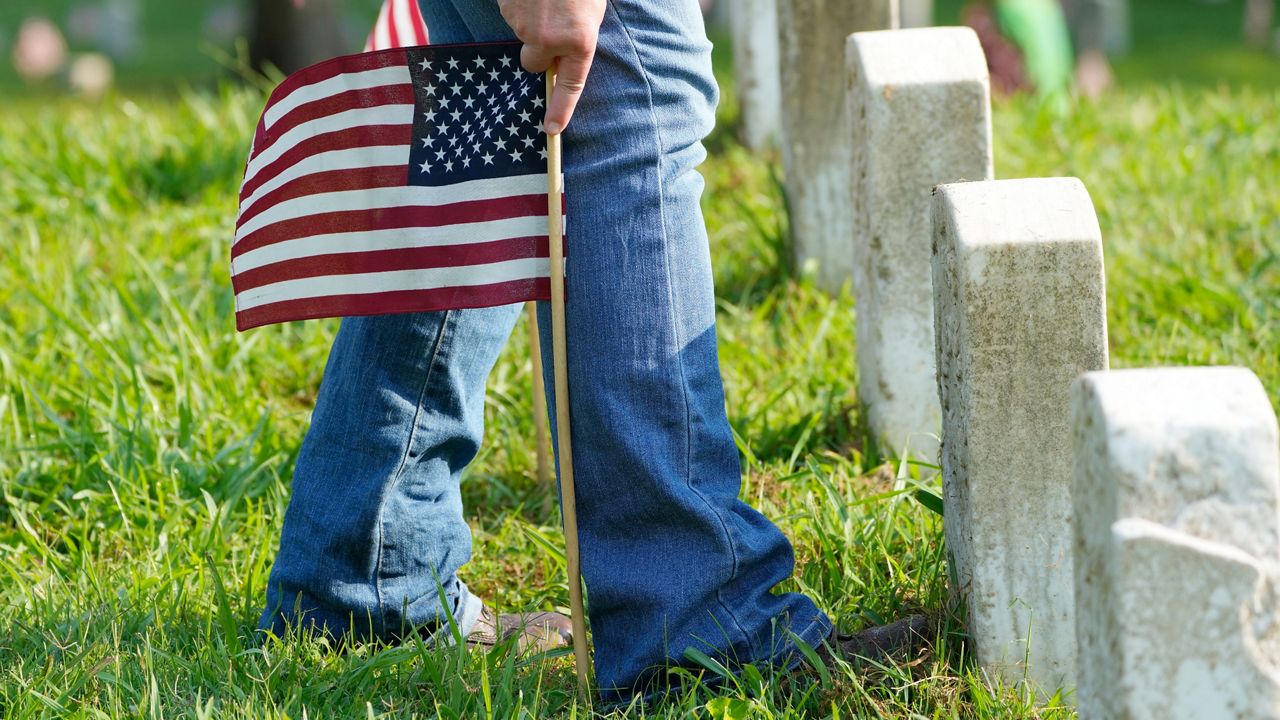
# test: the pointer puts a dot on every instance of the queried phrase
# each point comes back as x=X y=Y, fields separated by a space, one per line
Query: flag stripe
x=365 y=220
x=342 y=179
x=337 y=66
x=369 y=136
x=338 y=84
x=473 y=296
x=419 y=24
x=349 y=120
x=391 y=239
x=346 y=159
x=462 y=193
x=402 y=23
x=394 y=280
x=414 y=258
x=352 y=99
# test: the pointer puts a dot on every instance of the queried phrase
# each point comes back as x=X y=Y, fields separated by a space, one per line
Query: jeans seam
x=404 y=461
x=684 y=382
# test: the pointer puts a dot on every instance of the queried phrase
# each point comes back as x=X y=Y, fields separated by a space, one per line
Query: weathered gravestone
x=815 y=130
x=1020 y=313
x=1177 y=506
x=920 y=115
x=754 y=24
x=916 y=13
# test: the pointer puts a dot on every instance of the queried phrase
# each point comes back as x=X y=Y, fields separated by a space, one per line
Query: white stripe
x=394 y=280
x=346 y=120
x=349 y=159
x=404 y=24
x=392 y=239
x=363 y=80
x=391 y=197
x=382 y=30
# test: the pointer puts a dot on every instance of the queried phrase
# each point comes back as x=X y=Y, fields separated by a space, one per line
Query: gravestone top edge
x=1023 y=212
x=919 y=56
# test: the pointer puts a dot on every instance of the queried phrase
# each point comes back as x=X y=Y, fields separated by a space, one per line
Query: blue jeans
x=672 y=559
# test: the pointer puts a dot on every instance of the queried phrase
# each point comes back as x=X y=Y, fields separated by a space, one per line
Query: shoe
x=897 y=639
x=535 y=632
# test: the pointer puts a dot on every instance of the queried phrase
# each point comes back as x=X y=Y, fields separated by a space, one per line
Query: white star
x=500 y=144
x=466 y=162
x=505 y=86
x=528 y=142
x=442 y=130
x=426 y=141
x=488 y=131
x=425 y=64
x=456 y=114
x=468 y=101
x=543 y=153
x=456 y=88
x=524 y=89
x=488 y=159
x=513 y=129
x=426 y=166
x=506 y=60
x=537 y=101
x=453 y=63
x=466 y=126
x=430 y=115
x=444 y=102
x=431 y=90
x=466 y=75
x=480 y=62
x=515 y=155
x=440 y=154
x=524 y=116
x=511 y=104
x=482 y=89
x=453 y=140
x=448 y=166
x=494 y=75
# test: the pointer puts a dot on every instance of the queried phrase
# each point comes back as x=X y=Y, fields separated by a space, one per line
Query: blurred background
x=89 y=46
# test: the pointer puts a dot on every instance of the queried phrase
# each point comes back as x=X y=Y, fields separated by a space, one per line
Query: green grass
x=146 y=448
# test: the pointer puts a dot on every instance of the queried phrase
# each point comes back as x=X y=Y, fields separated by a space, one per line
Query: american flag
x=399 y=24
x=400 y=180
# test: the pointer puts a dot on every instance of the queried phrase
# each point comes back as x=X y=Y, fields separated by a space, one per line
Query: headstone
x=815 y=131
x=1177 y=506
x=754 y=24
x=920 y=115
x=916 y=13
x=1020 y=313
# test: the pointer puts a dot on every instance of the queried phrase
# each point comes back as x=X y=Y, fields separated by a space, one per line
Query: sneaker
x=901 y=638
x=535 y=632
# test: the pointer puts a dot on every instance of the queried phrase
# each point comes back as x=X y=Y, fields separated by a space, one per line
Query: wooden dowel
x=573 y=567
x=542 y=441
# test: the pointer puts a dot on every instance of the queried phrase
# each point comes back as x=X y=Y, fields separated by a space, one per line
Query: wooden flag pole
x=573 y=567
x=542 y=441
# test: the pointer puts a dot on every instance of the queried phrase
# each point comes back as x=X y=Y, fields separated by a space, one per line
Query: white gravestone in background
x=920 y=115
x=1177 y=506
x=1020 y=313
x=755 y=69
x=815 y=130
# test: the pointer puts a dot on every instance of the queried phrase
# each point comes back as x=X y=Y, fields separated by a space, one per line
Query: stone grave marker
x=754 y=24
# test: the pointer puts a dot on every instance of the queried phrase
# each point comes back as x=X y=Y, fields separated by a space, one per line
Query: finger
x=536 y=58
x=570 y=82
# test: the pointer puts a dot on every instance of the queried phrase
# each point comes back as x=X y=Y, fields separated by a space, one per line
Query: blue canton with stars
x=477 y=114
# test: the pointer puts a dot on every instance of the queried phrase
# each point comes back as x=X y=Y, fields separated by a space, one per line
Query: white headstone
x=815 y=130
x=1020 y=313
x=920 y=115
x=917 y=13
x=1194 y=452
x=755 y=69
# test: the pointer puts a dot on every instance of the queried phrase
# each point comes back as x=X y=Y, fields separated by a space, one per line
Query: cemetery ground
x=146 y=447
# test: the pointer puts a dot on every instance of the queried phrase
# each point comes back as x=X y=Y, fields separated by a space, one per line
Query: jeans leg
x=374 y=527
x=671 y=557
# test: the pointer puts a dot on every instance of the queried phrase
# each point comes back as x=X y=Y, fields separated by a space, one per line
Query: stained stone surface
x=920 y=116
x=1195 y=452
x=754 y=24
x=1019 y=314
x=815 y=129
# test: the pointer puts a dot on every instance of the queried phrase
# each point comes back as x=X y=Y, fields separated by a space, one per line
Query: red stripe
x=418 y=258
x=392 y=31
x=419 y=25
x=392 y=218
x=364 y=178
x=399 y=94
x=362 y=136
x=400 y=301
x=337 y=66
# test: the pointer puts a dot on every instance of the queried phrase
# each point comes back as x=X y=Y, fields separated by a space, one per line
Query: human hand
x=551 y=30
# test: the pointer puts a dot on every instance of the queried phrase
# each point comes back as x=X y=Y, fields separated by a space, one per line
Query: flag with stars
x=401 y=180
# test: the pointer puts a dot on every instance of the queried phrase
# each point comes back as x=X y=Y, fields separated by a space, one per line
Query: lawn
x=146 y=447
